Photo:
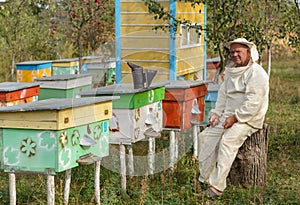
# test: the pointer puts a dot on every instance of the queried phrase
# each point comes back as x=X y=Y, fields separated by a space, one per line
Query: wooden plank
x=142 y=30
x=140 y=19
x=144 y=42
x=19 y=94
x=31 y=75
x=192 y=17
x=33 y=116
x=154 y=55
x=17 y=102
x=160 y=66
x=188 y=52
x=137 y=6
x=83 y=115
x=45 y=125
x=57 y=120
x=56 y=113
x=65 y=64
x=172 y=114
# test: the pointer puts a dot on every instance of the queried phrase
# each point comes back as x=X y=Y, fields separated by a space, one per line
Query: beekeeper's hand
x=213 y=119
x=229 y=121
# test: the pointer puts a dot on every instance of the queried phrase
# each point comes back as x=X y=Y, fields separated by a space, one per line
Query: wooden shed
x=178 y=54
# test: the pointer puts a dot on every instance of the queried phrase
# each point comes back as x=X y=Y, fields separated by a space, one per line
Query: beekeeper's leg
x=208 y=142
x=232 y=139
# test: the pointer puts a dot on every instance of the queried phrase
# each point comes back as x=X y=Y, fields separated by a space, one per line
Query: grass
x=180 y=187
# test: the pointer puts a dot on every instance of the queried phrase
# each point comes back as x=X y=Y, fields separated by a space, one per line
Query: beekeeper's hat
x=252 y=46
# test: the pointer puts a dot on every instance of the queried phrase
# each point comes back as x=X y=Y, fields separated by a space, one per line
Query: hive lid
x=118 y=89
x=63 y=77
x=172 y=84
x=56 y=104
x=33 y=62
x=65 y=60
x=12 y=86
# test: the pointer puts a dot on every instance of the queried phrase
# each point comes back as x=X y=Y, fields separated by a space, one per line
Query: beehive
x=90 y=59
x=63 y=86
x=65 y=66
x=183 y=102
x=134 y=113
x=49 y=136
x=30 y=70
x=210 y=100
x=102 y=72
x=13 y=93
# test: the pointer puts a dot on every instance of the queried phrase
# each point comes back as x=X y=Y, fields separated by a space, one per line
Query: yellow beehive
x=56 y=113
x=30 y=70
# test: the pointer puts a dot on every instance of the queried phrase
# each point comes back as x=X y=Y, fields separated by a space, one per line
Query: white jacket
x=245 y=93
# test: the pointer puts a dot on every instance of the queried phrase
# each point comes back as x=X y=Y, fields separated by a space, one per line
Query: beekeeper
x=240 y=111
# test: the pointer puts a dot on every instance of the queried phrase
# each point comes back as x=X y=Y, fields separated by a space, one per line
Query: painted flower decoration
x=137 y=114
x=11 y=156
x=75 y=138
x=28 y=147
x=47 y=140
x=63 y=139
x=65 y=158
x=150 y=96
x=97 y=132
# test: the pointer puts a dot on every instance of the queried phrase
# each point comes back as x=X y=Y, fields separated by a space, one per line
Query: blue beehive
x=210 y=100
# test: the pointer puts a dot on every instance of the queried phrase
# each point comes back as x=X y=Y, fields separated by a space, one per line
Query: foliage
x=263 y=22
x=91 y=23
x=22 y=28
x=47 y=30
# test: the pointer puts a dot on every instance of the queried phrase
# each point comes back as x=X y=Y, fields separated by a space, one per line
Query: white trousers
x=218 y=148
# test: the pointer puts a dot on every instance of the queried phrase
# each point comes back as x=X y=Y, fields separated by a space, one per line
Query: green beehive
x=65 y=66
x=130 y=98
x=54 y=135
x=63 y=86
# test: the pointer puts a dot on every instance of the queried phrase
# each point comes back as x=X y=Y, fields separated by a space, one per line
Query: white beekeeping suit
x=244 y=94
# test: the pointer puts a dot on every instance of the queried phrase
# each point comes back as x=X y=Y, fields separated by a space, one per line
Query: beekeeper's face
x=240 y=54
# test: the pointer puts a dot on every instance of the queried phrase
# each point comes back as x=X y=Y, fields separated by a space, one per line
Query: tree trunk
x=250 y=166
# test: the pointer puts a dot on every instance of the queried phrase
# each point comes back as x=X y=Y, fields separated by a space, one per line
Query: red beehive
x=14 y=93
x=183 y=102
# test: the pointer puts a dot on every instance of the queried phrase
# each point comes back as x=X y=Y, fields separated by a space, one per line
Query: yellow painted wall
x=186 y=11
x=144 y=46
x=30 y=75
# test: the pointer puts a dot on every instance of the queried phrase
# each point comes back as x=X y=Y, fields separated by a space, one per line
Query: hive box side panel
x=19 y=94
x=17 y=102
x=136 y=100
x=29 y=150
x=82 y=115
x=31 y=75
x=65 y=70
x=130 y=124
x=35 y=119
x=172 y=114
x=52 y=151
x=70 y=146
x=47 y=93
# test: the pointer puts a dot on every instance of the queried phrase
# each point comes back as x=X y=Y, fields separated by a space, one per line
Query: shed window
x=189 y=36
